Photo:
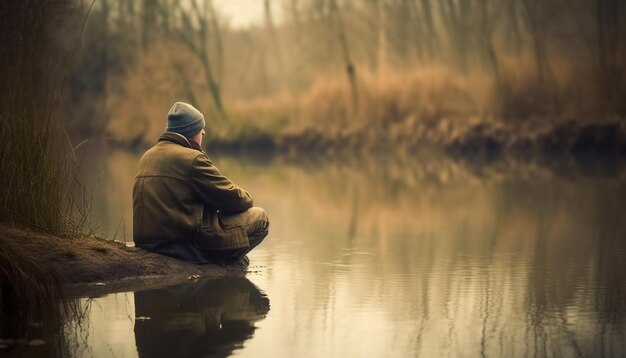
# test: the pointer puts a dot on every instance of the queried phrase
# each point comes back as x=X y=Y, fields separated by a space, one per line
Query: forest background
x=310 y=77
x=329 y=74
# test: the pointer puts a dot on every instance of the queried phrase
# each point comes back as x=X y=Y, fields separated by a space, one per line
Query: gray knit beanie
x=184 y=119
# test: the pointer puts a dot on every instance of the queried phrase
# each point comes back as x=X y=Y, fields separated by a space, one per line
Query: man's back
x=165 y=205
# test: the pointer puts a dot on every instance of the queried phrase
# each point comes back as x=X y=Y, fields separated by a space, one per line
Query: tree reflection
x=501 y=261
x=211 y=317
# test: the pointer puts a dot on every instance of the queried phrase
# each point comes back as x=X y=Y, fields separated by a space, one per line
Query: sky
x=246 y=13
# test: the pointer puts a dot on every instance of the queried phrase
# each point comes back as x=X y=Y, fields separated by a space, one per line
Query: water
x=209 y=317
x=391 y=258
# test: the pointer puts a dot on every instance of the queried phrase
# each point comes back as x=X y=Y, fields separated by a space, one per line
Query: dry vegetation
x=33 y=173
x=38 y=168
x=38 y=271
x=371 y=72
x=85 y=259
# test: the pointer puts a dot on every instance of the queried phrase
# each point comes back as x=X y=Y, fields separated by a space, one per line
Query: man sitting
x=184 y=207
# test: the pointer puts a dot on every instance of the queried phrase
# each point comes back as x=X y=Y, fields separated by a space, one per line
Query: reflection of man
x=184 y=207
x=211 y=317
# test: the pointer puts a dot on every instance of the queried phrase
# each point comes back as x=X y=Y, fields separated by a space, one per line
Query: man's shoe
x=242 y=261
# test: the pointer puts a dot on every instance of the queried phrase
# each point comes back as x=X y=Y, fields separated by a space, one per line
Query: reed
x=38 y=179
x=38 y=164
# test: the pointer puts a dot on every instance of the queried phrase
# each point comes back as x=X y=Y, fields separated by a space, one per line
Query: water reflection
x=35 y=331
x=212 y=317
x=430 y=257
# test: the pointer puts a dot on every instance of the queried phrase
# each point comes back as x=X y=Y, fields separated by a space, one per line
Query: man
x=183 y=207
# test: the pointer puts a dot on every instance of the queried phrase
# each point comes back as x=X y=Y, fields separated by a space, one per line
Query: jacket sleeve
x=216 y=190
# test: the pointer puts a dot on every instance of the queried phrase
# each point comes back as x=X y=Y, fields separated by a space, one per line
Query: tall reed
x=38 y=166
x=35 y=174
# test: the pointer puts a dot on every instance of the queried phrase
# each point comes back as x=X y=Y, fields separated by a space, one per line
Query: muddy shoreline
x=86 y=264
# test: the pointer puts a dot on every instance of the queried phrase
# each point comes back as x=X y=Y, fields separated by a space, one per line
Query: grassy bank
x=401 y=111
x=41 y=273
x=404 y=110
x=63 y=261
x=37 y=180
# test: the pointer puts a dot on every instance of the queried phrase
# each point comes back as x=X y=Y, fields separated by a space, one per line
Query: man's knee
x=258 y=214
x=257 y=221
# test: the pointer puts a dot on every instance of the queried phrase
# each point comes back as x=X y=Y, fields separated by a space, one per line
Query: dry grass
x=17 y=264
x=41 y=257
x=34 y=176
x=37 y=271
x=37 y=160
x=29 y=293
x=427 y=93
x=167 y=73
x=401 y=104
x=34 y=267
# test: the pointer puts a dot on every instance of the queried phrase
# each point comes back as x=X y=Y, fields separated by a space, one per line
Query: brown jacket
x=177 y=195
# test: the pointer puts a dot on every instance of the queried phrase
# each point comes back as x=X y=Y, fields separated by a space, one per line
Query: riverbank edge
x=472 y=137
x=42 y=262
x=492 y=137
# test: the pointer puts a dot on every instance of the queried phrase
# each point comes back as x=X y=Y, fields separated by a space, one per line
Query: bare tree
x=216 y=36
x=609 y=39
x=487 y=25
x=431 y=33
x=337 y=19
x=195 y=33
x=149 y=10
x=535 y=17
x=513 y=33
x=297 y=21
x=455 y=16
x=382 y=36
x=271 y=29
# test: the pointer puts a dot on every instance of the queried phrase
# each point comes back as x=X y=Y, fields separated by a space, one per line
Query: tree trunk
x=198 y=45
x=454 y=17
x=486 y=30
x=608 y=30
x=188 y=93
x=418 y=35
x=513 y=33
x=534 y=19
x=271 y=30
x=382 y=38
x=148 y=22
x=214 y=87
x=487 y=42
x=345 y=51
x=217 y=36
x=431 y=34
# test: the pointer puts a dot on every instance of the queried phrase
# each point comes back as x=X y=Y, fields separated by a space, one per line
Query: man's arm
x=216 y=190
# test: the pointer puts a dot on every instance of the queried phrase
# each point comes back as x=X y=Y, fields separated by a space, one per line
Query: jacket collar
x=179 y=139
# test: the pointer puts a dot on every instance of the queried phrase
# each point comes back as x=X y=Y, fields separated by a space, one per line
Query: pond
x=386 y=257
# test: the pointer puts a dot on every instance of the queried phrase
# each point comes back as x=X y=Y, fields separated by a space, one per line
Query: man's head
x=184 y=119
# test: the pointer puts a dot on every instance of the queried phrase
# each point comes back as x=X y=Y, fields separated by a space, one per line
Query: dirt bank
x=27 y=254
x=460 y=137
